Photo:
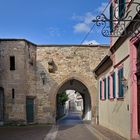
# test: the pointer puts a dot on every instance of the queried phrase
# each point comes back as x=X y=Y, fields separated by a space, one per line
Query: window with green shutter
x=121 y=8
x=108 y=87
x=105 y=88
x=111 y=18
x=114 y=84
x=100 y=90
x=120 y=76
x=138 y=51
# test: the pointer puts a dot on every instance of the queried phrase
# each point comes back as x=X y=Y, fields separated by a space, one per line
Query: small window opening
x=12 y=62
x=13 y=93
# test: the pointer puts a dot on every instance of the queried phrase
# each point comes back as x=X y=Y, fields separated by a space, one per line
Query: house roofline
x=102 y=63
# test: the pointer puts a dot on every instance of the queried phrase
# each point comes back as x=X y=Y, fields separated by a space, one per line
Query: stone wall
x=22 y=79
x=60 y=64
x=69 y=62
x=13 y=79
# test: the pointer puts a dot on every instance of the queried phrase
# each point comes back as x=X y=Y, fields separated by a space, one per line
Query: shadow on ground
x=24 y=133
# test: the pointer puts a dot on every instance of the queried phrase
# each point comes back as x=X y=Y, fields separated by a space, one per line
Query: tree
x=62 y=98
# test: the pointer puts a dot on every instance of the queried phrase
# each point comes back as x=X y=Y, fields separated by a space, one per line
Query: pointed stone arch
x=86 y=81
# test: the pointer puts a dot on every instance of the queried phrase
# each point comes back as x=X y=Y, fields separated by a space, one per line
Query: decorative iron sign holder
x=120 y=24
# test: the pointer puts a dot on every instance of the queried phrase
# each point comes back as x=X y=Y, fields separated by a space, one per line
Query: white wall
x=115 y=114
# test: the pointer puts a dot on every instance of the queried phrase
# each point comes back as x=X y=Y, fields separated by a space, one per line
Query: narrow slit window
x=13 y=93
x=12 y=62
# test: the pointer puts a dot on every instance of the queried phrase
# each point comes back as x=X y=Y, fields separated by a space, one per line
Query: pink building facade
x=118 y=73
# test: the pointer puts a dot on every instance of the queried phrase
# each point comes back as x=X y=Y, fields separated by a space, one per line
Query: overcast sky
x=51 y=21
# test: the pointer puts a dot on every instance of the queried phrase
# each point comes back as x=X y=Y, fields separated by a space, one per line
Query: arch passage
x=79 y=87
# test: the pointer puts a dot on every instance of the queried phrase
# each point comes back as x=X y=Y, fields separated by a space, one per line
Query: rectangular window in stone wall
x=13 y=93
x=12 y=62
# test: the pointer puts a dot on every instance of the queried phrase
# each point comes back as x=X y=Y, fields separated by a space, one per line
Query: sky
x=52 y=21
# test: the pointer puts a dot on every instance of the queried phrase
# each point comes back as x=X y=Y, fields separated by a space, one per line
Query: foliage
x=62 y=98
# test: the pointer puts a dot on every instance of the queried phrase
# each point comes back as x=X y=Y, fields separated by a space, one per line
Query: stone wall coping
x=14 y=39
x=54 y=45
x=73 y=45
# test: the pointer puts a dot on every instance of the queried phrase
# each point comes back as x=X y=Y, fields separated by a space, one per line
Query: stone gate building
x=32 y=75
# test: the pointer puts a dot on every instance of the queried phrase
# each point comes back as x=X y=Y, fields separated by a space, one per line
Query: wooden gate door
x=1 y=105
x=30 y=110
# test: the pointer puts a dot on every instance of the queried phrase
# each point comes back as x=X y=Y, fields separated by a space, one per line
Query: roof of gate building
x=55 y=45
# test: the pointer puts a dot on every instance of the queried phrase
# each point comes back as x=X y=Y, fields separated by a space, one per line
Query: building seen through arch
x=78 y=99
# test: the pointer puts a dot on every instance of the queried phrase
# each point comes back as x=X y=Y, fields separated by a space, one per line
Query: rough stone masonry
x=40 y=70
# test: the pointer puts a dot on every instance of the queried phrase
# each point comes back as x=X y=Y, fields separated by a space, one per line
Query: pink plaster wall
x=133 y=90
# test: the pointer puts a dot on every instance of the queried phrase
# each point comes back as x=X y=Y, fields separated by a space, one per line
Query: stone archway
x=78 y=86
x=91 y=94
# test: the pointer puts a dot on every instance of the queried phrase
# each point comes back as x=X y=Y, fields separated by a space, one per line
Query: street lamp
x=43 y=77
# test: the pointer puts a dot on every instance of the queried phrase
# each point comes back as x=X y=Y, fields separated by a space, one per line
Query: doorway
x=30 y=110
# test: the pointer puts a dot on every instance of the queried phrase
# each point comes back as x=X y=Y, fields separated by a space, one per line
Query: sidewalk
x=103 y=133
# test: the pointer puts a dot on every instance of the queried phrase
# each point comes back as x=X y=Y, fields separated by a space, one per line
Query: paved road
x=24 y=132
x=72 y=127
x=73 y=118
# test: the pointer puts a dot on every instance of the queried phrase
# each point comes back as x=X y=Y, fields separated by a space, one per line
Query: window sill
x=102 y=99
x=111 y=99
x=120 y=98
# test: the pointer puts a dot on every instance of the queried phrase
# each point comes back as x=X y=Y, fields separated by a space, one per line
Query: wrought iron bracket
x=131 y=16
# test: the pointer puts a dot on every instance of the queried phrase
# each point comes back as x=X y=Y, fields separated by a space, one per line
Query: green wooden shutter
x=121 y=90
x=121 y=8
x=120 y=76
x=108 y=87
x=114 y=85
x=138 y=51
x=100 y=90
x=111 y=18
x=105 y=88
x=119 y=82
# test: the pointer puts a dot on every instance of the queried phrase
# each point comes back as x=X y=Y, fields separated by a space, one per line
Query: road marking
x=52 y=133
